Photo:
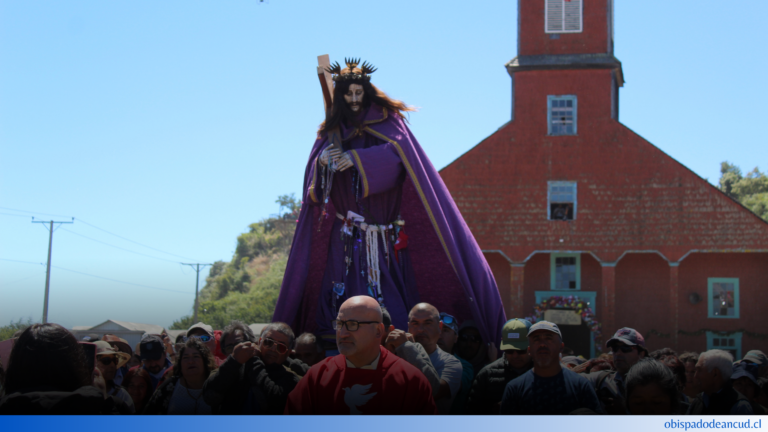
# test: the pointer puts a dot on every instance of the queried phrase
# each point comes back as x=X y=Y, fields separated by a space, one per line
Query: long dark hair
x=209 y=363
x=340 y=111
x=47 y=355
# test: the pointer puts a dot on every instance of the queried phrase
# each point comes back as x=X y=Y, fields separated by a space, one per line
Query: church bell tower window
x=563 y=16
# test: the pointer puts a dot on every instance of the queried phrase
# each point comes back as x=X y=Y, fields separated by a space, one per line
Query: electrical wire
x=135 y=242
x=31 y=212
x=118 y=247
x=22 y=279
x=98 y=277
x=101 y=229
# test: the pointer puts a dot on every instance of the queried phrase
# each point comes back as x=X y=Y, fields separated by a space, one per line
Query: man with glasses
x=548 y=388
x=628 y=347
x=108 y=361
x=365 y=378
x=448 y=338
x=257 y=377
x=488 y=387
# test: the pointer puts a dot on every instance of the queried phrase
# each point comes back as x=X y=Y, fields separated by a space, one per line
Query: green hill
x=246 y=288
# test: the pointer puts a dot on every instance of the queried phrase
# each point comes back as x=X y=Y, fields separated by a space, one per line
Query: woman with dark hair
x=183 y=392
x=47 y=374
x=652 y=389
x=138 y=383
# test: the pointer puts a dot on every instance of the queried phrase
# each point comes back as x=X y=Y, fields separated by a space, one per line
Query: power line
x=122 y=282
x=100 y=229
x=11 y=214
x=31 y=212
x=99 y=277
x=118 y=247
x=25 y=262
x=135 y=242
x=19 y=280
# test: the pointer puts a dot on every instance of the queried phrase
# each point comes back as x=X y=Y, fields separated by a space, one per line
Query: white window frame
x=550 y=185
x=552 y=4
x=575 y=113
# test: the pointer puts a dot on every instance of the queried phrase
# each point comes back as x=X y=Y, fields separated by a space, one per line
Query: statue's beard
x=352 y=117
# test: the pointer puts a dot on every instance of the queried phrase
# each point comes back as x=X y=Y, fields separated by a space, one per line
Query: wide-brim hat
x=119 y=343
x=104 y=348
x=757 y=357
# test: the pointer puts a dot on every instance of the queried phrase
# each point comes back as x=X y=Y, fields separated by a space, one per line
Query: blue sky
x=176 y=124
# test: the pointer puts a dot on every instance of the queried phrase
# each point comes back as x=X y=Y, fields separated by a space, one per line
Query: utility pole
x=48 y=270
x=196 y=266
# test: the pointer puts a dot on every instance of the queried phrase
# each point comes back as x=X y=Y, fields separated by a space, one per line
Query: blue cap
x=745 y=369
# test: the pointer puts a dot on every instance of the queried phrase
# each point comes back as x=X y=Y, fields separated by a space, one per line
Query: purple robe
x=442 y=265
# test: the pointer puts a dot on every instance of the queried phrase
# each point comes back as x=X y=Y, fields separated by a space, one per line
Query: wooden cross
x=326 y=85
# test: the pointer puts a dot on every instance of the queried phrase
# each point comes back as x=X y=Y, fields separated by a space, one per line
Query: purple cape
x=449 y=268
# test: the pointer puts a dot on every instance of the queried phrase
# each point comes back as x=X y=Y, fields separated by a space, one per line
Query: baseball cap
x=628 y=336
x=514 y=335
x=545 y=325
x=449 y=321
x=208 y=329
x=745 y=369
x=151 y=347
x=756 y=357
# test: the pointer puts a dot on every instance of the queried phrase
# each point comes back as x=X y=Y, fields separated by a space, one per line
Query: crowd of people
x=435 y=366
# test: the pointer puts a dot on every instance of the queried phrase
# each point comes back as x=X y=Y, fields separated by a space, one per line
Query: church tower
x=587 y=224
x=556 y=38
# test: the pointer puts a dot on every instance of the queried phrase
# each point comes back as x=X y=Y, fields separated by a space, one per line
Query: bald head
x=360 y=308
x=360 y=346
x=422 y=308
x=425 y=326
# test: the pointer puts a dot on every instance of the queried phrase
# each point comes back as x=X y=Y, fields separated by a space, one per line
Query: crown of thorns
x=351 y=72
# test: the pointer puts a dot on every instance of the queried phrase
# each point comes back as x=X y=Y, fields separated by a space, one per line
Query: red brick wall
x=593 y=38
x=631 y=195
x=503 y=275
x=642 y=297
x=752 y=271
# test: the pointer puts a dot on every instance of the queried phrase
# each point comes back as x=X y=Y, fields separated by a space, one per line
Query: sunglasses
x=470 y=338
x=201 y=338
x=626 y=349
x=279 y=346
x=447 y=319
x=108 y=360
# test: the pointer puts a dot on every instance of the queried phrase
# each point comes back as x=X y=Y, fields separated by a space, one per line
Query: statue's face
x=354 y=97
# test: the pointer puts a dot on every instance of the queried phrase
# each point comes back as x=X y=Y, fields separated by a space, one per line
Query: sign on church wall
x=562 y=317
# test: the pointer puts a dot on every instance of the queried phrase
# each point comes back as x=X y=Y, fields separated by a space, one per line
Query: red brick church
x=567 y=201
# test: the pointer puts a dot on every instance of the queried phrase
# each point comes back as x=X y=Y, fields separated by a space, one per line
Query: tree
x=750 y=190
x=246 y=288
x=6 y=332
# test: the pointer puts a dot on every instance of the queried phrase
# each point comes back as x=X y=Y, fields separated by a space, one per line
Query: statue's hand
x=327 y=154
x=344 y=162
